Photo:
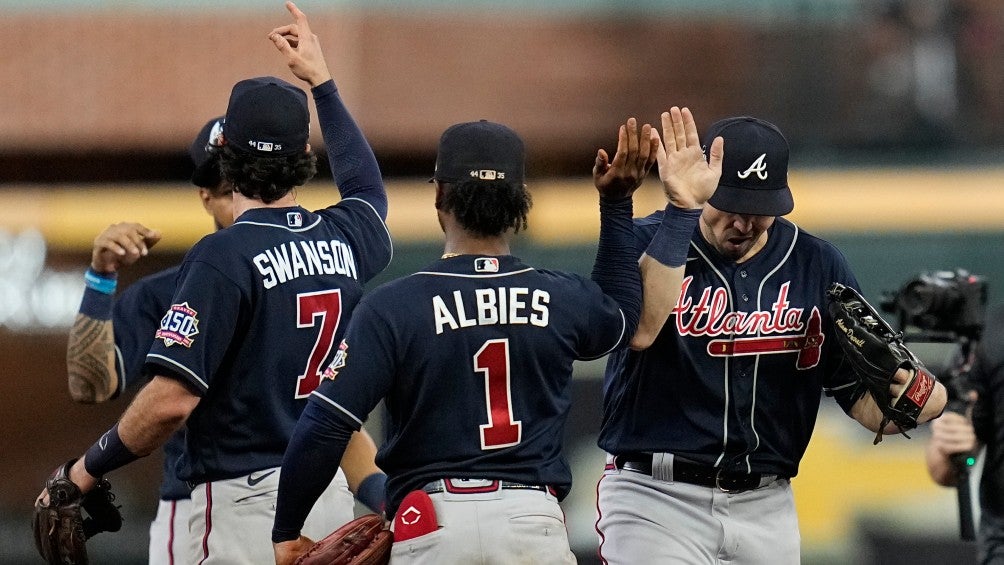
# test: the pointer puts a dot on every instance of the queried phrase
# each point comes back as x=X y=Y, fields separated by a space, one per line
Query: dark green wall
x=882 y=262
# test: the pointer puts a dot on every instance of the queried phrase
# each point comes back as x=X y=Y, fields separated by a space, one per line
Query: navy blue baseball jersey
x=735 y=377
x=261 y=306
x=135 y=318
x=474 y=357
x=257 y=315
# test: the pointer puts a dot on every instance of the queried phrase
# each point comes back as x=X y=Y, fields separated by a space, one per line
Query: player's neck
x=468 y=245
x=243 y=203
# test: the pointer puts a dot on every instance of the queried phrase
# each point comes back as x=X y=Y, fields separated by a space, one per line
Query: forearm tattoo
x=90 y=360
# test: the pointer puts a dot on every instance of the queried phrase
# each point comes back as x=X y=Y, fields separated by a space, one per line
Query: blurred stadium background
x=894 y=111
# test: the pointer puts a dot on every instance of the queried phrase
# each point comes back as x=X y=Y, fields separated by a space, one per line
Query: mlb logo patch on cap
x=267 y=117
x=481 y=151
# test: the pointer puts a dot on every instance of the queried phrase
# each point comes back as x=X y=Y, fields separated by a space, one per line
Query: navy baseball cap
x=755 y=168
x=480 y=150
x=267 y=117
x=202 y=152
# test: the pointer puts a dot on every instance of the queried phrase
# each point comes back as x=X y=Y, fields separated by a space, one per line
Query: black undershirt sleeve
x=308 y=467
x=616 y=267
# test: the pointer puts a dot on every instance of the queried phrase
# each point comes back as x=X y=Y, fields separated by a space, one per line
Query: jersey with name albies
x=474 y=356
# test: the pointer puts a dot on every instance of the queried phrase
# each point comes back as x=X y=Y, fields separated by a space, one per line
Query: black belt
x=450 y=486
x=697 y=474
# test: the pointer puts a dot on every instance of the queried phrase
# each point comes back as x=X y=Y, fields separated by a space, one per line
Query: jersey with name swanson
x=474 y=359
x=259 y=309
x=734 y=378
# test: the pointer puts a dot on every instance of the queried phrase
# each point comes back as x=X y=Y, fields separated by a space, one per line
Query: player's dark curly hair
x=266 y=178
x=487 y=208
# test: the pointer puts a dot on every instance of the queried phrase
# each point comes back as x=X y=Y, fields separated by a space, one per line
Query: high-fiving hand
x=635 y=156
x=688 y=179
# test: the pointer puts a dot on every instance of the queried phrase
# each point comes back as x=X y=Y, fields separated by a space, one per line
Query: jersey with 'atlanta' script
x=735 y=377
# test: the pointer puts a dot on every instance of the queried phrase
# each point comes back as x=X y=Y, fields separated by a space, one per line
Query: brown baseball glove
x=363 y=541
x=60 y=527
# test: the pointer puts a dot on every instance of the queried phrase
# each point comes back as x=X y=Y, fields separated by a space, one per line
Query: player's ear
x=205 y=195
x=440 y=194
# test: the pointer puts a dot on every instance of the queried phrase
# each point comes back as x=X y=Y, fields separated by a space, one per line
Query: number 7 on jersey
x=322 y=309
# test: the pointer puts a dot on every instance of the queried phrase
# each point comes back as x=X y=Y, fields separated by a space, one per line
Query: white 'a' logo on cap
x=759 y=167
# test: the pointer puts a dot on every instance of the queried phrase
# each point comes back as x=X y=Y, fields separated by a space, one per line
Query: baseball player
x=473 y=357
x=109 y=340
x=257 y=310
x=706 y=420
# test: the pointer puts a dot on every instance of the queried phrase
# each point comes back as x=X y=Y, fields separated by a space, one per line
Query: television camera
x=947 y=307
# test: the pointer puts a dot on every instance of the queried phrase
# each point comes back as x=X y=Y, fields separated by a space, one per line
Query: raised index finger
x=300 y=17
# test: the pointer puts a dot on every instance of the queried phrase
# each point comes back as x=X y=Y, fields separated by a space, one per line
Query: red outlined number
x=313 y=309
x=500 y=431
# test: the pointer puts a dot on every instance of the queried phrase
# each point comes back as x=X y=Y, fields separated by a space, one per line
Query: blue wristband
x=672 y=240
x=373 y=492
x=103 y=283
x=96 y=304
x=108 y=454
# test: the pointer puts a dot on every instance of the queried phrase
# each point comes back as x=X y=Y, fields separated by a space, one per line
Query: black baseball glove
x=60 y=527
x=876 y=352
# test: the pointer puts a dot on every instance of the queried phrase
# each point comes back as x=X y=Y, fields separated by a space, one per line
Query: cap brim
x=758 y=202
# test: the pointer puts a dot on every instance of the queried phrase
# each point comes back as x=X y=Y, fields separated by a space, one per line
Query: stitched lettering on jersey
x=489 y=307
x=179 y=325
x=709 y=317
x=338 y=362
x=295 y=259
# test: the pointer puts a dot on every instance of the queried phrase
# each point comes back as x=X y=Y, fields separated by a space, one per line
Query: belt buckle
x=718 y=483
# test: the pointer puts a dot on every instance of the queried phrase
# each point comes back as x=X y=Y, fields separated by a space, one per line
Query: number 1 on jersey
x=326 y=306
x=500 y=431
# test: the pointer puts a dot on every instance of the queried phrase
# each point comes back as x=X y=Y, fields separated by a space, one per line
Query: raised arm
x=353 y=164
x=91 y=369
x=688 y=180
x=615 y=269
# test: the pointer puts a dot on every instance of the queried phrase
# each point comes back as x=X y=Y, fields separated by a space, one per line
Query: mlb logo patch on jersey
x=294 y=219
x=179 y=325
x=338 y=362
x=486 y=265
